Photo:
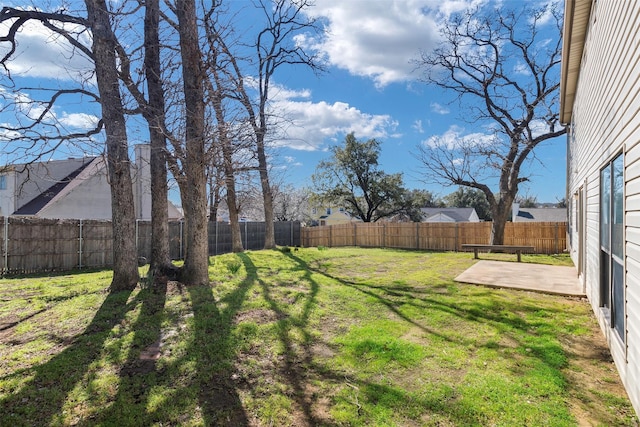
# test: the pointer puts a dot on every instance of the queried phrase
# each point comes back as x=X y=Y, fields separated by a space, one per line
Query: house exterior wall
x=24 y=182
x=335 y=218
x=605 y=122
x=41 y=176
x=88 y=197
x=8 y=193
x=141 y=176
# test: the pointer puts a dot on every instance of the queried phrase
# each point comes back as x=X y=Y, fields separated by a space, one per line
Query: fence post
x=80 y=244
x=6 y=245
x=137 y=232
x=355 y=234
x=384 y=235
x=417 y=235
x=216 y=238
x=330 y=235
x=456 y=238
x=556 y=238
x=291 y=236
x=181 y=222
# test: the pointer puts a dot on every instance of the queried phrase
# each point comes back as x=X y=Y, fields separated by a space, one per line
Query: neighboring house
x=449 y=215
x=73 y=188
x=538 y=214
x=600 y=100
x=330 y=216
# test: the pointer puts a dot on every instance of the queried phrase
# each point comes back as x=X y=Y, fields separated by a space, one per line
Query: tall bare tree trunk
x=214 y=193
x=125 y=259
x=154 y=114
x=232 y=200
x=196 y=264
x=267 y=195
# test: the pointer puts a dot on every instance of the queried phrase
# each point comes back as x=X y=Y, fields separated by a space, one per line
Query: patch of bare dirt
x=591 y=374
x=260 y=316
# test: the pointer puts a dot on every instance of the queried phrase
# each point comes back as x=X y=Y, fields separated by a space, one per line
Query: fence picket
x=35 y=245
x=546 y=237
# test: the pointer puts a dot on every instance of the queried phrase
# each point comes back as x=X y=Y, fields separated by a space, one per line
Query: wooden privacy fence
x=546 y=237
x=32 y=245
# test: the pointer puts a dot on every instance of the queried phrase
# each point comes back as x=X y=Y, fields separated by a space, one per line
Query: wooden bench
x=499 y=248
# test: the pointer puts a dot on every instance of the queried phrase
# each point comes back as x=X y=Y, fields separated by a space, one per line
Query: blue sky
x=370 y=88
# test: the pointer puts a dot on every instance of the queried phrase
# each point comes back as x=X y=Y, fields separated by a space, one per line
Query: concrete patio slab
x=551 y=279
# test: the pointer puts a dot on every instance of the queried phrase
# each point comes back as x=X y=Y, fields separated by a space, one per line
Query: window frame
x=612 y=245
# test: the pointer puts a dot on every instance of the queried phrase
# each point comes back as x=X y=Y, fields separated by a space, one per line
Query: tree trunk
x=160 y=256
x=497 y=231
x=125 y=257
x=232 y=203
x=196 y=264
x=269 y=232
x=500 y=213
x=214 y=192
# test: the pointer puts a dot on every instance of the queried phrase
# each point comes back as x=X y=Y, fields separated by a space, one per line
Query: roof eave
x=576 y=23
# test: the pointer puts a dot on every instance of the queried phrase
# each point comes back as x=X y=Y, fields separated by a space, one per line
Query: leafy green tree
x=351 y=178
x=465 y=197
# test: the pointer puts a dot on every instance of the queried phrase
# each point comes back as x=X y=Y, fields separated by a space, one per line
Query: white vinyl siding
x=606 y=117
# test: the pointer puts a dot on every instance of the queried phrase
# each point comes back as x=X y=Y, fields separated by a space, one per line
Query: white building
x=449 y=215
x=600 y=100
x=73 y=188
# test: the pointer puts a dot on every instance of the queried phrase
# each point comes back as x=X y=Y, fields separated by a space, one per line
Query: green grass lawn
x=336 y=337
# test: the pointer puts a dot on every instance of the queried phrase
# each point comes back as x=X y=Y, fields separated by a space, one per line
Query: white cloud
x=307 y=125
x=41 y=53
x=291 y=161
x=439 y=109
x=79 y=120
x=379 y=39
x=6 y=132
x=417 y=126
x=538 y=127
x=456 y=137
x=522 y=68
x=26 y=108
x=546 y=15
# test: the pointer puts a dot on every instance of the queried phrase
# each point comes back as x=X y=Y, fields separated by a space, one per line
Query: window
x=3 y=182
x=328 y=211
x=612 y=293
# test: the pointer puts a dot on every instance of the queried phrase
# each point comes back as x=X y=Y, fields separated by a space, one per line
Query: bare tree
x=194 y=197
x=125 y=259
x=505 y=72
x=224 y=131
x=290 y=203
x=153 y=111
x=103 y=54
x=154 y=114
x=274 y=47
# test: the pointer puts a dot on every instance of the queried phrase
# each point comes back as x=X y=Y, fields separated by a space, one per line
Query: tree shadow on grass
x=516 y=319
x=298 y=360
x=42 y=398
x=138 y=373
x=214 y=351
